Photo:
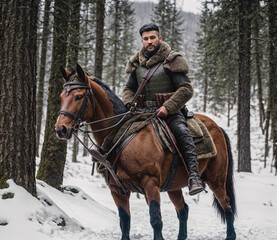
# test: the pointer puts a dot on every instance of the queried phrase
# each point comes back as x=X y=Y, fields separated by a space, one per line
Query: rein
x=106 y=119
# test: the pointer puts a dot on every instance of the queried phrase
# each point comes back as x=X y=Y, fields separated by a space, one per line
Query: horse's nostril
x=64 y=130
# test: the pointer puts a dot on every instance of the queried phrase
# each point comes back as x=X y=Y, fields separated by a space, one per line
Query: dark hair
x=149 y=27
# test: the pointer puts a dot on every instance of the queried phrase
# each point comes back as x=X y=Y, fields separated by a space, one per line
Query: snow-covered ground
x=85 y=210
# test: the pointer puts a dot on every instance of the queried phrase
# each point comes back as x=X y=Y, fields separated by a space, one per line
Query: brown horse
x=143 y=161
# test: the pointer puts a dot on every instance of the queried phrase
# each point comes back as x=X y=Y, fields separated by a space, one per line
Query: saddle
x=205 y=147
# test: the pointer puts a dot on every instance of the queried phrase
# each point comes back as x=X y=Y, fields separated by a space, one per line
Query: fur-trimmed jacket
x=174 y=63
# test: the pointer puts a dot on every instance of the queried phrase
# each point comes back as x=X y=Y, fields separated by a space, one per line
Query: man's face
x=150 y=40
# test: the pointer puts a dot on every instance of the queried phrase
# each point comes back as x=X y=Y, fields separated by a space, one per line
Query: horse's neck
x=103 y=109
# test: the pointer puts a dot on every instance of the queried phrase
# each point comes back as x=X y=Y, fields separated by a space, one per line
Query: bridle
x=77 y=118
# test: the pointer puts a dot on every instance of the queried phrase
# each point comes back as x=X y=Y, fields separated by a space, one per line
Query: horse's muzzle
x=63 y=133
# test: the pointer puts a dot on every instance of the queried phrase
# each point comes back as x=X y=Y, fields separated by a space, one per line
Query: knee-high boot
x=178 y=126
x=187 y=149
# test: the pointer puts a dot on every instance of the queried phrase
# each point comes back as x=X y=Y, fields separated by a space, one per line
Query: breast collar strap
x=68 y=87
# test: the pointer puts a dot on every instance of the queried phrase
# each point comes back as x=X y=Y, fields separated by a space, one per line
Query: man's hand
x=163 y=112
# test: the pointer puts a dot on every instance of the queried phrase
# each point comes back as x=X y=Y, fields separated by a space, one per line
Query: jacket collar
x=160 y=56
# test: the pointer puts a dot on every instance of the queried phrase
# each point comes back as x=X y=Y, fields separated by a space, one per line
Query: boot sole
x=195 y=190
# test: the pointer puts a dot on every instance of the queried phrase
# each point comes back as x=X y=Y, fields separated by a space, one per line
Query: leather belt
x=150 y=104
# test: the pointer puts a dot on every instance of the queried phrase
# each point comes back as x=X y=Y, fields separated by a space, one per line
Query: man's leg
x=178 y=125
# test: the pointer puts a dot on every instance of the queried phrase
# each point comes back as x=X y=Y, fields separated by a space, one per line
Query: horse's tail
x=229 y=182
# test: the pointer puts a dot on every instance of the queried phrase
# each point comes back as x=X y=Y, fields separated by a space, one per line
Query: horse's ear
x=65 y=73
x=81 y=74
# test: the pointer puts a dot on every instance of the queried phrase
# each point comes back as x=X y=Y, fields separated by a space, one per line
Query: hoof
x=231 y=238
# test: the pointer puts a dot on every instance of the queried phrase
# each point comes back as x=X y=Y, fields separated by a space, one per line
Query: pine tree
x=176 y=31
x=168 y=18
x=53 y=153
x=99 y=50
x=272 y=97
x=162 y=15
x=40 y=93
x=73 y=34
x=73 y=50
x=18 y=26
x=244 y=157
x=85 y=56
x=119 y=42
x=87 y=39
x=217 y=55
x=257 y=20
x=202 y=60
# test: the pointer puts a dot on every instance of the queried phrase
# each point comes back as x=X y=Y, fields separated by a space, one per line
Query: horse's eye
x=78 y=97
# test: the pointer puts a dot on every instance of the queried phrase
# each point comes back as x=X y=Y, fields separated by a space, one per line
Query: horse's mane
x=119 y=107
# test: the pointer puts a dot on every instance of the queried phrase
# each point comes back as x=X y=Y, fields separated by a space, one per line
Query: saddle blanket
x=205 y=147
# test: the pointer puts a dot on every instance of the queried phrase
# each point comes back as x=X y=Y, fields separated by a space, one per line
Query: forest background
x=230 y=48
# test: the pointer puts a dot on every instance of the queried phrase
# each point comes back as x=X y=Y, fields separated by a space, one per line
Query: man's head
x=151 y=38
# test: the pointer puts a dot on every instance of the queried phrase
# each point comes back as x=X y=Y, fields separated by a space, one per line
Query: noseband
x=68 y=87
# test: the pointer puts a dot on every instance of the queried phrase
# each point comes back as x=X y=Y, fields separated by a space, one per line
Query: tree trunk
x=116 y=26
x=272 y=27
x=73 y=34
x=99 y=45
x=85 y=139
x=272 y=78
x=73 y=49
x=18 y=26
x=256 y=29
x=75 y=150
x=205 y=84
x=244 y=157
x=54 y=151
x=40 y=93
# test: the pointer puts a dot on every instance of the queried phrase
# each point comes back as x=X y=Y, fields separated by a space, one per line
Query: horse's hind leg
x=122 y=203
x=182 y=210
x=224 y=209
x=152 y=193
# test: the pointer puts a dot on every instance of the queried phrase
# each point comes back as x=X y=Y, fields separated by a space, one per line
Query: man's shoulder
x=132 y=64
x=175 y=62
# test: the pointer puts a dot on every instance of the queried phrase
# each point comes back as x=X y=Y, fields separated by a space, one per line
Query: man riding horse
x=170 y=82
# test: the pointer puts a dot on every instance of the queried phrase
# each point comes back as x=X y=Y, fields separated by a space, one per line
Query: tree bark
x=53 y=153
x=73 y=34
x=73 y=49
x=205 y=84
x=115 y=57
x=85 y=139
x=99 y=45
x=40 y=93
x=257 y=48
x=272 y=27
x=18 y=26
x=244 y=156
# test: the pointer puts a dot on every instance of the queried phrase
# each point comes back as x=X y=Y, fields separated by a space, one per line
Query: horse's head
x=77 y=102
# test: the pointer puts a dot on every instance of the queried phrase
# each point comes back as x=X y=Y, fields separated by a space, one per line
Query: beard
x=150 y=53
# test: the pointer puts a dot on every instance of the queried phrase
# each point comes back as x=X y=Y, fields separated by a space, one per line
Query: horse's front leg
x=122 y=203
x=152 y=192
